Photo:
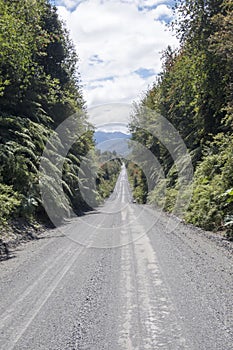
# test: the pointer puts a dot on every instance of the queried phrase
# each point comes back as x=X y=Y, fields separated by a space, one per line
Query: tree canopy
x=39 y=89
x=194 y=93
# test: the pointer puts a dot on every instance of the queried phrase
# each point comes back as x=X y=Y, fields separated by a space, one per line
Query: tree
x=194 y=93
x=39 y=88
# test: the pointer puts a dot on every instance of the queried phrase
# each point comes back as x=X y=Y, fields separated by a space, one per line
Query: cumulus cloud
x=119 y=43
x=161 y=12
x=69 y=4
x=111 y=116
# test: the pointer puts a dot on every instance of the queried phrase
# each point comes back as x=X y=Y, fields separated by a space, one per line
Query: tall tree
x=39 y=88
x=194 y=93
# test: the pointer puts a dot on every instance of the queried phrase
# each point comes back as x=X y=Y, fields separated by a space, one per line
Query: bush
x=138 y=182
x=9 y=202
x=212 y=198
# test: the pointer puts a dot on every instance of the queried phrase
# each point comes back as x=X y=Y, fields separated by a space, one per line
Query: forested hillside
x=194 y=92
x=39 y=88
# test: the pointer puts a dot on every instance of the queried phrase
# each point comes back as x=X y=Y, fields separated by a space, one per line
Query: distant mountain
x=102 y=136
x=112 y=141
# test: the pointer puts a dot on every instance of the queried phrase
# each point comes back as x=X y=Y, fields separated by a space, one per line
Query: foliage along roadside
x=194 y=93
x=39 y=88
x=107 y=174
x=137 y=181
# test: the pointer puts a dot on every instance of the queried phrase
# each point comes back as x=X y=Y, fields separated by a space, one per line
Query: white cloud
x=144 y=3
x=69 y=4
x=111 y=116
x=162 y=11
x=115 y=39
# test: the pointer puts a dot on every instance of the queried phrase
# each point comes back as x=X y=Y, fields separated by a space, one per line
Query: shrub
x=9 y=202
x=212 y=198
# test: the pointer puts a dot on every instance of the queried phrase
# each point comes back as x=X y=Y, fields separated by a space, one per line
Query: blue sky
x=141 y=4
x=119 y=44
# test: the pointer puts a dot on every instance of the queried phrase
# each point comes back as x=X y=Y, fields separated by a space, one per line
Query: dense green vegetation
x=194 y=92
x=137 y=181
x=108 y=172
x=39 y=88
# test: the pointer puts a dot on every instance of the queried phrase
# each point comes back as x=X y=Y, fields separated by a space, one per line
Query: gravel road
x=118 y=278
